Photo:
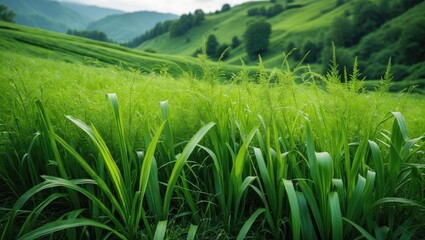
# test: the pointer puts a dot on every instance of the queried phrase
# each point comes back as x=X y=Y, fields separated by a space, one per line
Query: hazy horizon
x=176 y=7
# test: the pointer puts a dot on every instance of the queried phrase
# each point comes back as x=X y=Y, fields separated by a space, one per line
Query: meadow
x=106 y=152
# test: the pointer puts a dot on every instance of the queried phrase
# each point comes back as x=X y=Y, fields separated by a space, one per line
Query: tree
x=226 y=7
x=342 y=31
x=235 y=42
x=6 y=15
x=366 y=18
x=339 y=2
x=198 y=17
x=295 y=53
x=95 y=35
x=412 y=41
x=211 y=46
x=314 y=51
x=257 y=37
x=222 y=49
x=410 y=3
x=181 y=26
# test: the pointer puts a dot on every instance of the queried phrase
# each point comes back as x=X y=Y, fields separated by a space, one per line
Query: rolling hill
x=303 y=22
x=36 y=43
x=46 y=14
x=62 y=16
x=307 y=18
x=126 y=26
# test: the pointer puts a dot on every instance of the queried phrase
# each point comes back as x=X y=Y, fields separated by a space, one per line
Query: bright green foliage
x=261 y=157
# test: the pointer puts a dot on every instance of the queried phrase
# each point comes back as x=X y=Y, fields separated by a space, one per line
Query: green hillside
x=307 y=25
x=310 y=17
x=46 y=14
x=124 y=27
x=38 y=43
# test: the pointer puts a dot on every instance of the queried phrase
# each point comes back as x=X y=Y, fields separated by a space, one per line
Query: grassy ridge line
x=293 y=24
x=69 y=48
x=44 y=44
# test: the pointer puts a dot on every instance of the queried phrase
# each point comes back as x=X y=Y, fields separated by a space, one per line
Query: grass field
x=95 y=149
x=50 y=45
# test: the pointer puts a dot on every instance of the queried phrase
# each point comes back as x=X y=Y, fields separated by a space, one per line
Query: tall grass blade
x=125 y=162
x=310 y=150
x=35 y=213
x=357 y=164
x=169 y=140
x=336 y=216
x=160 y=231
x=181 y=161
x=398 y=135
x=112 y=167
x=307 y=229
x=295 y=209
x=240 y=160
x=60 y=225
x=402 y=201
x=242 y=189
x=247 y=225
x=52 y=144
x=364 y=233
x=192 y=232
x=100 y=182
x=145 y=171
x=379 y=168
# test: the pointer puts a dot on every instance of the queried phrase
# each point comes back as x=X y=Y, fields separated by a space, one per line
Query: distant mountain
x=124 y=27
x=46 y=14
x=93 y=12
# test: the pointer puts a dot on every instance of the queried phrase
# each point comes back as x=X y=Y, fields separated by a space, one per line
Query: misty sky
x=169 y=6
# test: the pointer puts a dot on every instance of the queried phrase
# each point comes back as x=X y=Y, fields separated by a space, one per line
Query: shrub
x=223 y=51
x=95 y=35
x=342 y=31
x=6 y=15
x=313 y=49
x=226 y=7
x=211 y=46
x=235 y=42
x=256 y=38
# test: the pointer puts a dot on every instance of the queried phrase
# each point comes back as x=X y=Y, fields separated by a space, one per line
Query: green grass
x=61 y=47
x=90 y=152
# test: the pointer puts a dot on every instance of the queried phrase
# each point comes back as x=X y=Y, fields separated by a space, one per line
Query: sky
x=166 y=6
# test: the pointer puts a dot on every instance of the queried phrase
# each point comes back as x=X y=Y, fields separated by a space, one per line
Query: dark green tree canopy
x=257 y=37
x=313 y=49
x=223 y=51
x=95 y=35
x=6 y=15
x=235 y=42
x=226 y=7
x=342 y=31
x=211 y=45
